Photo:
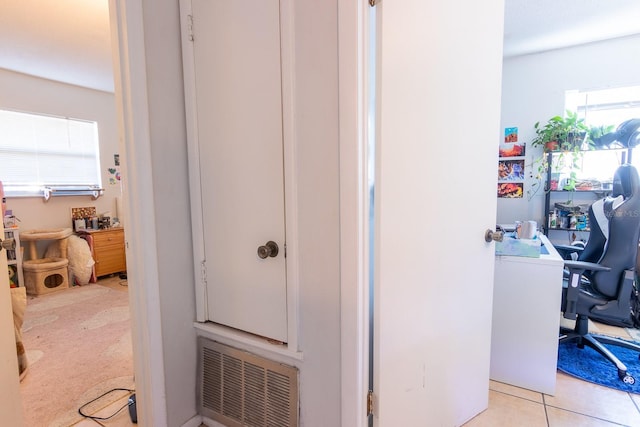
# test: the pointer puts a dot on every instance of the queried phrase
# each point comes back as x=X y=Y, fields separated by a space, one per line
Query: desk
x=527 y=295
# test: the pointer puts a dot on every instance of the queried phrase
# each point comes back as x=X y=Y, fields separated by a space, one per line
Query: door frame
x=127 y=29
x=353 y=40
x=131 y=96
x=289 y=162
x=132 y=111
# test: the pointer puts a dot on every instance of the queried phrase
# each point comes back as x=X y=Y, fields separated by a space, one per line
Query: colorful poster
x=510 y=190
x=510 y=134
x=511 y=170
x=512 y=150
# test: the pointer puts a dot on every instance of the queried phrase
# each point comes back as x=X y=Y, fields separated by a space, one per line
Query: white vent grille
x=238 y=389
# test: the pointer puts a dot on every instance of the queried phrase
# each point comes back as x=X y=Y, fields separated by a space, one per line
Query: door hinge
x=203 y=272
x=190 y=19
x=370 y=399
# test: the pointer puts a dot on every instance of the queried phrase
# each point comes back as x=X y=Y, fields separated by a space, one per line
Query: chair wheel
x=628 y=379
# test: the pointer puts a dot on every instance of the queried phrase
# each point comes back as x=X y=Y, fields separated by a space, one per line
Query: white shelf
x=14 y=257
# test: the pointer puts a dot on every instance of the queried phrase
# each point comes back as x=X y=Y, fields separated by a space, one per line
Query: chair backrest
x=599 y=213
x=621 y=248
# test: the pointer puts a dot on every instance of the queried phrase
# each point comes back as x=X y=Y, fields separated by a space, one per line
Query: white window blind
x=39 y=151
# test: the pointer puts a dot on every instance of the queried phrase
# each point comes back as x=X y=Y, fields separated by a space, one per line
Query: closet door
x=236 y=54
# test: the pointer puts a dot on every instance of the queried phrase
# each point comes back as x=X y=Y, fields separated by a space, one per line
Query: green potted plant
x=561 y=133
x=565 y=135
x=595 y=134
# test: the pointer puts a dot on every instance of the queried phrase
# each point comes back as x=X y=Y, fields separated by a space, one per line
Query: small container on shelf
x=553 y=219
x=581 y=223
x=573 y=221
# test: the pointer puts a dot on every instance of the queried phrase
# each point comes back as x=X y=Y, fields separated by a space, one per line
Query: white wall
x=533 y=88
x=31 y=94
x=316 y=123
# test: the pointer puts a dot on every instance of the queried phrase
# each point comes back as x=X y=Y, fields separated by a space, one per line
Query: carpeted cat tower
x=45 y=275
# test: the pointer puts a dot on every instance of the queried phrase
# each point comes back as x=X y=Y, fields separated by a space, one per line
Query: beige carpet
x=78 y=344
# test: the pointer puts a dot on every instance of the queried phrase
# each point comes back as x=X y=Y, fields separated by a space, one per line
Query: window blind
x=38 y=151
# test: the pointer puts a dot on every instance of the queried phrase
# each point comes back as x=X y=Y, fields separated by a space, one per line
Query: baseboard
x=196 y=421
x=199 y=420
x=211 y=423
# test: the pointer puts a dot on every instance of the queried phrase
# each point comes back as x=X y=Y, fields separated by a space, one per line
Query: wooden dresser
x=107 y=249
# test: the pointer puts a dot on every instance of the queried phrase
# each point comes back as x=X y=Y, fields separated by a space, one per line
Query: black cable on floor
x=102 y=395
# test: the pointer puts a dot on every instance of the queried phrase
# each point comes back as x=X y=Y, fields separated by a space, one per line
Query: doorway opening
x=92 y=311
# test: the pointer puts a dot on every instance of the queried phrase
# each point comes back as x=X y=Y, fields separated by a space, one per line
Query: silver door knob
x=8 y=244
x=490 y=235
x=270 y=249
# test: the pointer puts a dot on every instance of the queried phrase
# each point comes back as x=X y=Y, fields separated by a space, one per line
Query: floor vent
x=238 y=389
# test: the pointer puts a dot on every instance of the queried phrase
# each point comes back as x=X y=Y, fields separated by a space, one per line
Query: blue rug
x=587 y=364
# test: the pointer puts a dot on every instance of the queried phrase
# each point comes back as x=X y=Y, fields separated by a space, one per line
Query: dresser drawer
x=109 y=260
x=107 y=238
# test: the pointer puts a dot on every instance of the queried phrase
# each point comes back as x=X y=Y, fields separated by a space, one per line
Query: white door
x=10 y=400
x=236 y=46
x=438 y=118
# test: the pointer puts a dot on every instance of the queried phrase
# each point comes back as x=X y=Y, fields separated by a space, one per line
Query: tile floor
x=576 y=402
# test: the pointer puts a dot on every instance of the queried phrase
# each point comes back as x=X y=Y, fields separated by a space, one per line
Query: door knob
x=490 y=235
x=8 y=244
x=270 y=249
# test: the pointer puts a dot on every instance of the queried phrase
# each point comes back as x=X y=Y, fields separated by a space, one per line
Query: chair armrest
x=584 y=266
x=576 y=269
x=566 y=250
x=569 y=248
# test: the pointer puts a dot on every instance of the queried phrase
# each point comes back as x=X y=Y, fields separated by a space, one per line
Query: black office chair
x=602 y=290
x=599 y=213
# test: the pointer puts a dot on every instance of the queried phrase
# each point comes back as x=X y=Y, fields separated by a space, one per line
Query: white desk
x=526 y=320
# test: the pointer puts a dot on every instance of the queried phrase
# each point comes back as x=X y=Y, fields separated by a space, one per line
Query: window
x=43 y=155
x=601 y=108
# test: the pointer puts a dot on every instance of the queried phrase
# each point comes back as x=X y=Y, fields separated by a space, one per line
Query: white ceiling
x=69 y=40
x=62 y=40
x=539 y=25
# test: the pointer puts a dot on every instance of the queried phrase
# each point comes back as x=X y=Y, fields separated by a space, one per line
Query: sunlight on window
x=38 y=151
x=603 y=108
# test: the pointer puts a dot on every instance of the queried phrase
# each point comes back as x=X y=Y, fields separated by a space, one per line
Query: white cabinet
x=14 y=258
x=526 y=320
